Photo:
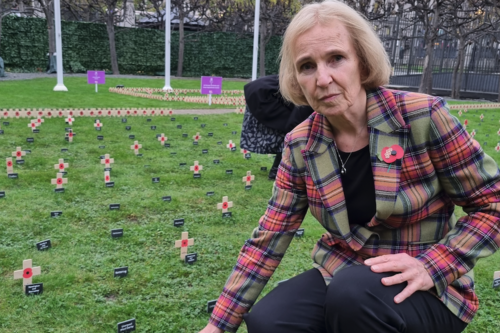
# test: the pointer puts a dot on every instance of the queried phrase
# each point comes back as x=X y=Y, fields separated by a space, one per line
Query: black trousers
x=356 y=301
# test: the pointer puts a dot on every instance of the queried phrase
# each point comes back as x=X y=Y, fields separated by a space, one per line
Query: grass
x=161 y=292
x=37 y=93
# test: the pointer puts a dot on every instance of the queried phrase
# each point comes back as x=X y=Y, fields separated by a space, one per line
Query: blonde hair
x=373 y=59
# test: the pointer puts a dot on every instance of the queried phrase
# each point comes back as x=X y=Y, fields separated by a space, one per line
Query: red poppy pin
x=391 y=154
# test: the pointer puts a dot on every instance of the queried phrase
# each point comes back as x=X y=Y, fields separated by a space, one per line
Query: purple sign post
x=211 y=85
x=96 y=77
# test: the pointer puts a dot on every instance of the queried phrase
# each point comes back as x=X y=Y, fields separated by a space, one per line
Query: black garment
x=267 y=105
x=356 y=301
x=359 y=186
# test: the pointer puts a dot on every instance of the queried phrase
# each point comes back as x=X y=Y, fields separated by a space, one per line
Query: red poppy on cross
x=136 y=146
x=107 y=161
x=230 y=145
x=183 y=244
x=61 y=165
x=248 y=178
x=18 y=153
x=10 y=169
x=196 y=168
x=162 y=138
x=59 y=181
x=225 y=204
x=27 y=272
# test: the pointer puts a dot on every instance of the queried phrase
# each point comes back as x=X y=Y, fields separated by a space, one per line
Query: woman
x=268 y=118
x=382 y=171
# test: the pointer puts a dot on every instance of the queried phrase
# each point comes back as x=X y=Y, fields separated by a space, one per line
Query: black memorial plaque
x=219 y=142
x=64 y=173
x=233 y=132
x=233 y=149
x=139 y=155
x=27 y=151
x=263 y=168
x=124 y=120
x=100 y=137
x=204 y=151
x=43 y=245
x=131 y=136
x=36 y=131
x=210 y=134
x=195 y=143
x=1 y=132
x=248 y=156
x=19 y=161
x=33 y=289
x=182 y=164
x=191 y=258
x=107 y=169
x=158 y=135
x=166 y=145
x=2 y=194
x=97 y=128
x=227 y=214
x=12 y=175
x=178 y=222
x=128 y=128
x=30 y=140
x=211 y=193
x=173 y=153
x=102 y=157
x=229 y=172
x=121 y=272
x=195 y=118
x=153 y=127
x=197 y=175
x=64 y=150
x=126 y=326
x=116 y=233
x=299 y=233
x=225 y=124
x=6 y=123
x=59 y=190
x=148 y=120
x=114 y=206
x=102 y=147
x=172 y=119
x=496 y=283
x=211 y=305
x=67 y=129
x=179 y=126
x=155 y=179
x=184 y=135
x=56 y=213
x=248 y=187
x=216 y=161
x=203 y=125
x=110 y=184
x=167 y=198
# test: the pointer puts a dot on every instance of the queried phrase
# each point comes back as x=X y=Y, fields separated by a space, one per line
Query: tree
x=47 y=8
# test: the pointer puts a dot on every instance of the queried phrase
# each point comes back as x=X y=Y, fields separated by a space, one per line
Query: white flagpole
x=167 y=46
x=255 y=40
x=57 y=14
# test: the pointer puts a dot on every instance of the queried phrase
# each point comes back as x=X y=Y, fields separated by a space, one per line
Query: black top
x=359 y=186
x=265 y=103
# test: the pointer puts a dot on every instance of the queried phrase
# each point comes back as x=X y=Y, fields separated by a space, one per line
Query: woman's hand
x=411 y=270
x=211 y=329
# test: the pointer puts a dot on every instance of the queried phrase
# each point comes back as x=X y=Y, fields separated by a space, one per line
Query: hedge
x=24 y=48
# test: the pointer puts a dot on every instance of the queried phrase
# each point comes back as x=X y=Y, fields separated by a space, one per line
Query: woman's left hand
x=411 y=270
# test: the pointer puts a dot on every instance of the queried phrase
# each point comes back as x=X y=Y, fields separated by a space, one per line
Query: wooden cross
x=497 y=148
x=107 y=161
x=244 y=152
x=69 y=120
x=248 y=178
x=40 y=120
x=107 y=178
x=18 y=153
x=10 y=169
x=225 y=204
x=162 y=139
x=32 y=125
x=59 y=181
x=97 y=124
x=136 y=146
x=460 y=113
x=183 y=243
x=196 y=168
x=481 y=116
x=70 y=136
x=196 y=137
x=230 y=145
x=466 y=122
x=61 y=165
x=27 y=272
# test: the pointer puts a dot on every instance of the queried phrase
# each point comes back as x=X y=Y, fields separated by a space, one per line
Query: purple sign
x=96 y=77
x=211 y=85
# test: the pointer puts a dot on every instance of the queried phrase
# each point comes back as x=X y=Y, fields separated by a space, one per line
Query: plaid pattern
x=415 y=199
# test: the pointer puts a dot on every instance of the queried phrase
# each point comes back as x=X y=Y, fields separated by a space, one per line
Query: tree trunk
x=455 y=83
x=262 y=48
x=180 y=59
x=48 y=9
x=110 y=27
x=430 y=36
x=1 y=17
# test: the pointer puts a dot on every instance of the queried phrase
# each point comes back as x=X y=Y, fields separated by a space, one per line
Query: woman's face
x=327 y=69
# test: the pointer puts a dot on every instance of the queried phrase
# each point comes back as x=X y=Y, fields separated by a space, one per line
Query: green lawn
x=38 y=93
x=161 y=292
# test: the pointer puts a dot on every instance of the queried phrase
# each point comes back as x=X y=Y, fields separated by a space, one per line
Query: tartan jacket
x=442 y=167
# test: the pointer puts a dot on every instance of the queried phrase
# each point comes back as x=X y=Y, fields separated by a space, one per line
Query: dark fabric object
x=268 y=106
x=354 y=302
x=359 y=186
x=259 y=138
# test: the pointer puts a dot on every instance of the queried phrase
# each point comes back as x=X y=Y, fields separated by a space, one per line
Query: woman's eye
x=338 y=58
x=307 y=66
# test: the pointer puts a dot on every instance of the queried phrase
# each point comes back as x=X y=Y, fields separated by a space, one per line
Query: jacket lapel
x=386 y=128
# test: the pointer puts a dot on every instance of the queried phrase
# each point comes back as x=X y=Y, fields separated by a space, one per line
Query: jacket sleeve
x=263 y=252
x=472 y=180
